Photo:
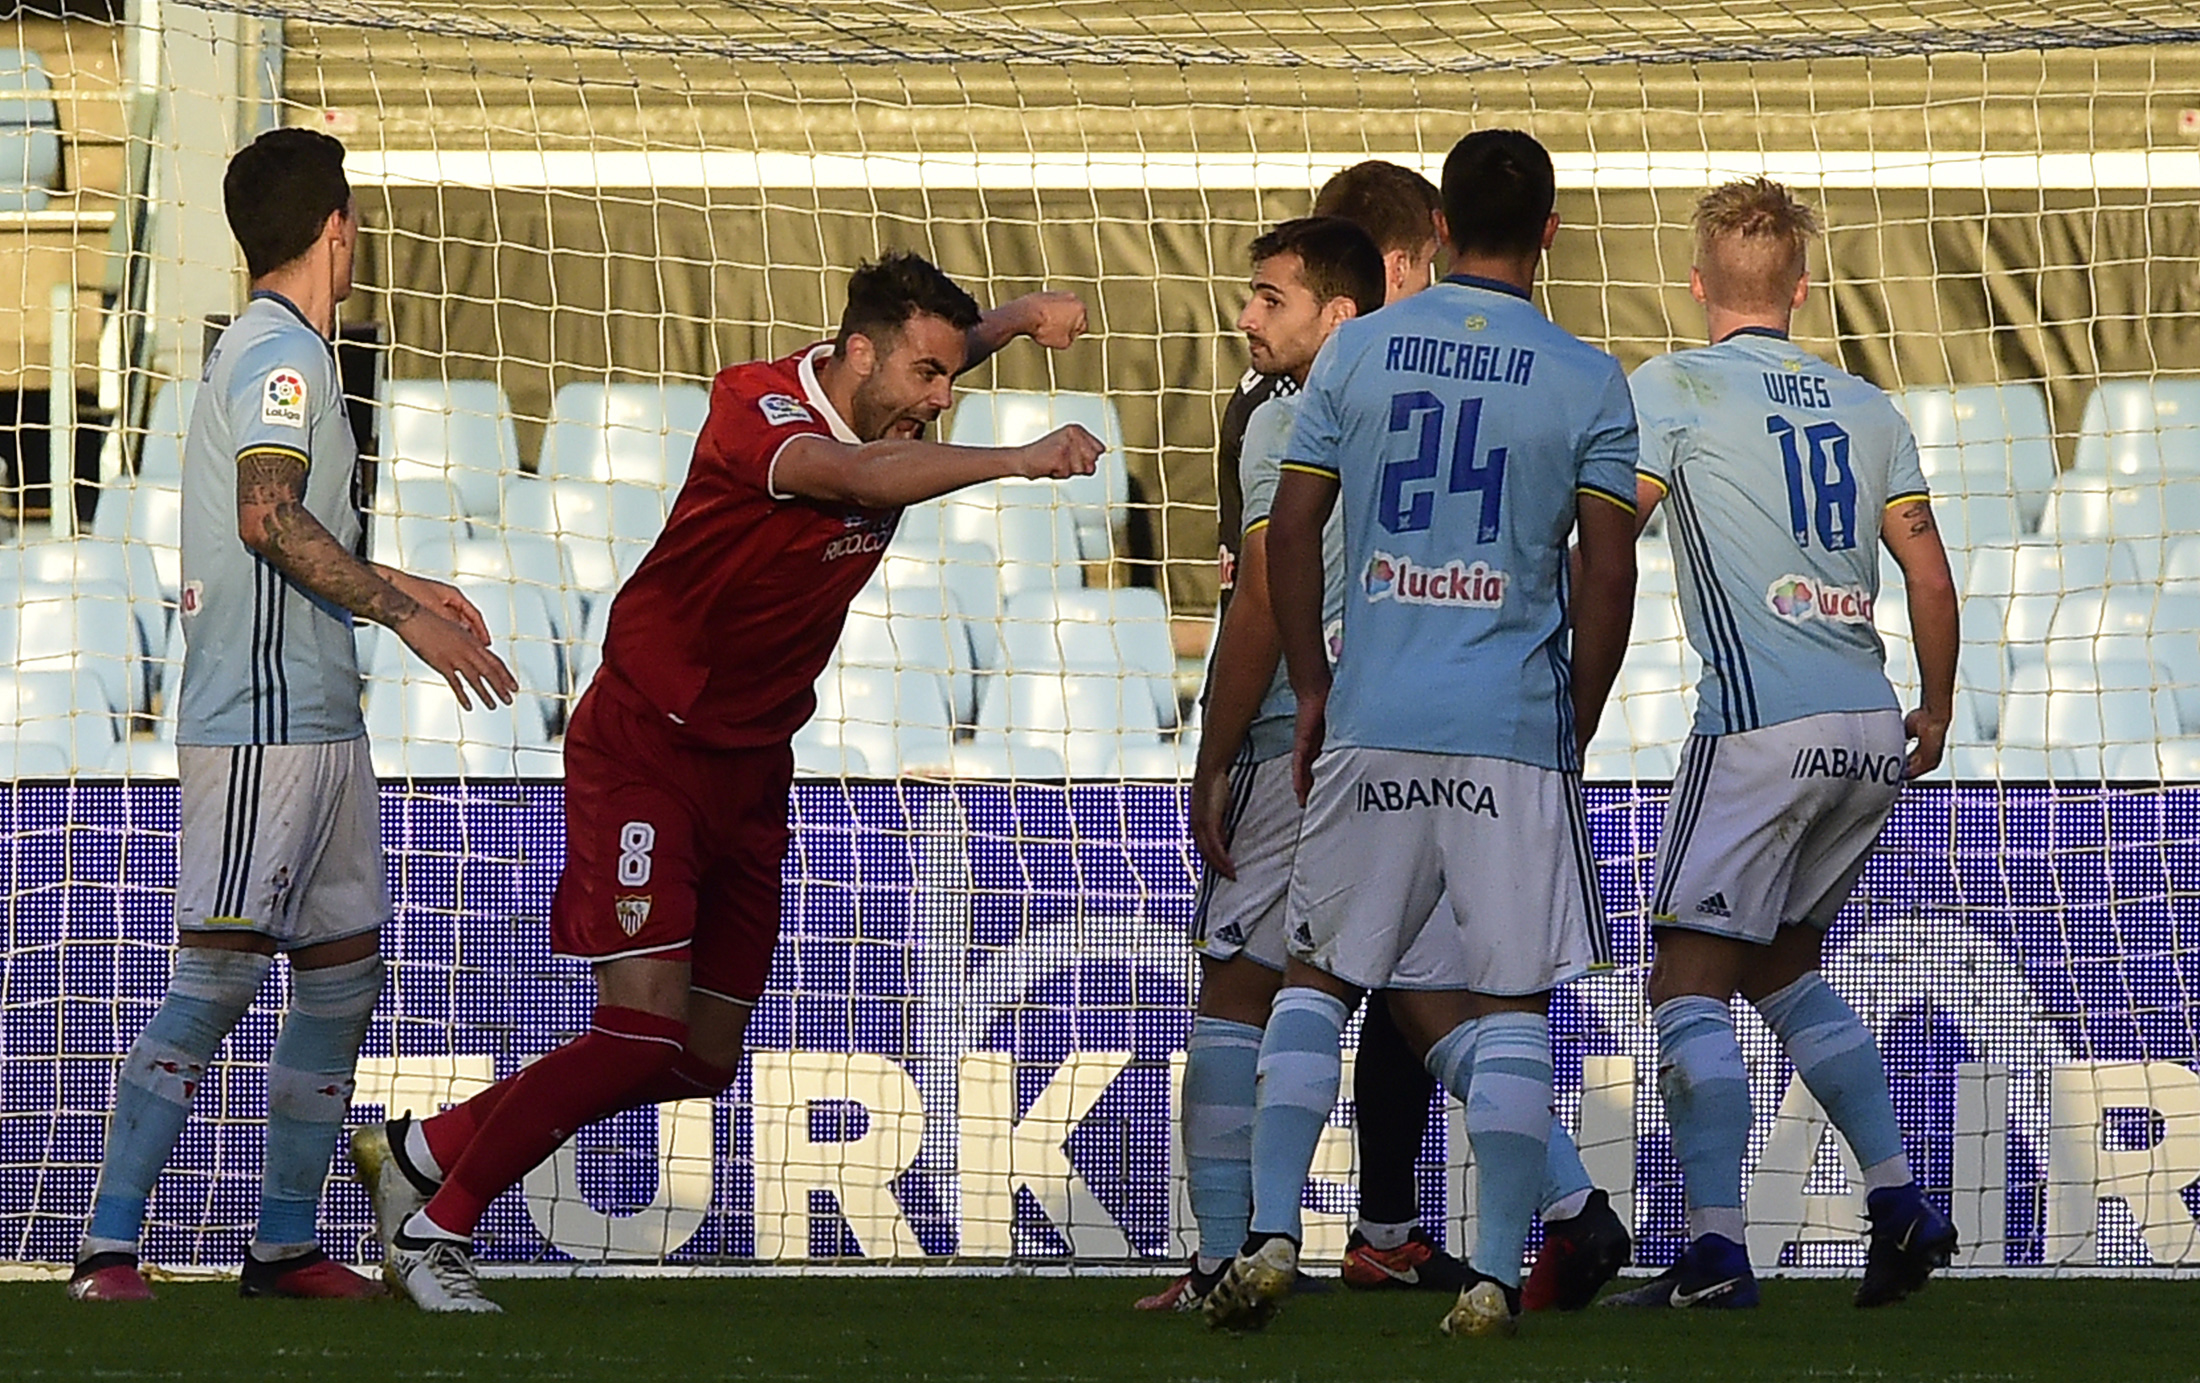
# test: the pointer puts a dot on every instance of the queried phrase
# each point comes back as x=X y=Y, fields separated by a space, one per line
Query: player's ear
x=1550 y=228
x=861 y=355
x=1696 y=289
x=1802 y=292
x=1337 y=311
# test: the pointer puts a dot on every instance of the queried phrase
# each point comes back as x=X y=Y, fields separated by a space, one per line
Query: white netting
x=575 y=215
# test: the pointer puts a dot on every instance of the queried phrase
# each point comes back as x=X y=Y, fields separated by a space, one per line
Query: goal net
x=575 y=215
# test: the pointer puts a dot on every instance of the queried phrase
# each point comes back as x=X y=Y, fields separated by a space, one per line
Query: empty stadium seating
x=2141 y=429
x=1980 y=444
x=1008 y=417
x=642 y=434
x=980 y=651
x=456 y=431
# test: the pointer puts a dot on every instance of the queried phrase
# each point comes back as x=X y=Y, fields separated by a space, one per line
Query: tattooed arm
x=1935 y=625
x=433 y=619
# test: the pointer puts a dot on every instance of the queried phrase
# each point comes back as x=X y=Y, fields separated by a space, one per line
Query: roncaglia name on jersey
x=1467 y=360
x=1404 y=795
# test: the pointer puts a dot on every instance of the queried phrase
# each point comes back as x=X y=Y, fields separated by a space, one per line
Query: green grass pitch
x=876 y=1330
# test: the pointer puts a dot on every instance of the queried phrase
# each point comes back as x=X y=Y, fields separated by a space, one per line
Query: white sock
x=418 y=1152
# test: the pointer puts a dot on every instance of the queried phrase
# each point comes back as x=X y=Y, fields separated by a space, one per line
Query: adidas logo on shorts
x=1715 y=906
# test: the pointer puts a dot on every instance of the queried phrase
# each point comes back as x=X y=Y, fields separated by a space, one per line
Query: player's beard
x=874 y=417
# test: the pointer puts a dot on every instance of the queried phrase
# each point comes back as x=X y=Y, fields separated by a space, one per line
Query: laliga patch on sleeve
x=782 y=409
x=283 y=399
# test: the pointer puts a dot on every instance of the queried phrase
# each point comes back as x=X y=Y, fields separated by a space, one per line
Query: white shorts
x=284 y=840
x=1244 y=916
x=1390 y=834
x=1772 y=827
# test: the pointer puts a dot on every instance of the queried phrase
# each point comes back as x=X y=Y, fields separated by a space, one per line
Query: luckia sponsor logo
x=1477 y=586
x=1800 y=599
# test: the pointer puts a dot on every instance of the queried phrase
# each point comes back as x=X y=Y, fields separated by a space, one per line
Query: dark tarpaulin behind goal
x=966 y=1049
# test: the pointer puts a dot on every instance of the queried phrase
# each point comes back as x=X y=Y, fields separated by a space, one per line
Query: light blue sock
x=1221 y=1071
x=1566 y=1183
x=1839 y=1061
x=1300 y=1070
x=1509 y=1126
x=1706 y=1091
x=208 y=991
x=309 y=1085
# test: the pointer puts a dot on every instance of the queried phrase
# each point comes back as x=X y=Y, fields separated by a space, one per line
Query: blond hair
x=1752 y=242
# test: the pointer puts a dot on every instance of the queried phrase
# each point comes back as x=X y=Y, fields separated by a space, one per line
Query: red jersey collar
x=806 y=367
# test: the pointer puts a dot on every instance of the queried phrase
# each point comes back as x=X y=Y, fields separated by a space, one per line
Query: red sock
x=593 y=1076
x=689 y=1078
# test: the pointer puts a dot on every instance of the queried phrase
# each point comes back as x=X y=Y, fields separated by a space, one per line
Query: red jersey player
x=679 y=756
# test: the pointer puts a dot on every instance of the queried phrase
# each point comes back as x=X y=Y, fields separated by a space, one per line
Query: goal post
x=573 y=216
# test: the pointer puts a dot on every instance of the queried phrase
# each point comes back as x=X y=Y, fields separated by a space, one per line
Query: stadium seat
x=642 y=434
x=2133 y=624
x=85 y=629
x=603 y=528
x=1125 y=631
x=916 y=627
x=1036 y=546
x=2121 y=710
x=101 y=564
x=415 y=517
x=901 y=718
x=160 y=454
x=150 y=514
x=971 y=574
x=456 y=431
x=2141 y=429
x=21 y=759
x=531 y=559
x=1092 y=718
x=2043 y=575
x=1009 y=417
x=2146 y=517
x=418 y=731
x=997 y=756
x=818 y=753
x=59 y=708
x=30 y=133
x=1976 y=520
x=1984 y=441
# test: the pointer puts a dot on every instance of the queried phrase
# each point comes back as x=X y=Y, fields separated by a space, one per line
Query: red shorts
x=670 y=850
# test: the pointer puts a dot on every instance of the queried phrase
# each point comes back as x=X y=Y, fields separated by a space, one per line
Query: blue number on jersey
x=1828 y=477
x=1470 y=473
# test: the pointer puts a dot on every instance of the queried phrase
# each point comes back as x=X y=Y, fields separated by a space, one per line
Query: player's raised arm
x=1935 y=624
x=889 y=374
x=1052 y=320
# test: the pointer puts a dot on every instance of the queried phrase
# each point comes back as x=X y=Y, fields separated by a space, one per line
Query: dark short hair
x=884 y=294
x=1337 y=259
x=1394 y=204
x=1498 y=192
x=280 y=191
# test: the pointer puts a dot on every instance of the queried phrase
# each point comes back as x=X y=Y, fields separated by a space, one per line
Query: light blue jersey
x=1260 y=467
x=265 y=662
x=1777 y=468
x=1463 y=429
